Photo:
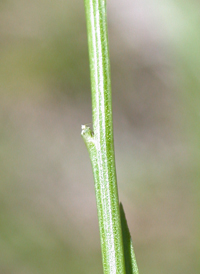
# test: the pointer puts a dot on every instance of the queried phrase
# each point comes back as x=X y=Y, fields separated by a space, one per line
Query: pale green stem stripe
x=100 y=143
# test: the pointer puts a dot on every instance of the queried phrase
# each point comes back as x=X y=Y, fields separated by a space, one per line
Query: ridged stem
x=100 y=141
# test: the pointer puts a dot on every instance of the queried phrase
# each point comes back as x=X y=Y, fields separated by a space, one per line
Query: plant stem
x=100 y=142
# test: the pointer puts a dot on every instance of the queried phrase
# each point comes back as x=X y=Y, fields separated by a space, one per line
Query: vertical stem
x=100 y=142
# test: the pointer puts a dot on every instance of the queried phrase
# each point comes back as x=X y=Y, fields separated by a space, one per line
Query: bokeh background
x=48 y=220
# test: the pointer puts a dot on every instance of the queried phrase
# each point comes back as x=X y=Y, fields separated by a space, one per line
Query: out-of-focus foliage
x=45 y=41
x=48 y=221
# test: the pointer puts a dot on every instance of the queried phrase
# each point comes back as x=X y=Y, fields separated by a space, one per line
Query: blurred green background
x=48 y=221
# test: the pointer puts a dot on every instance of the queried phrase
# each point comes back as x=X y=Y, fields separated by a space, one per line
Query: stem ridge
x=100 y=143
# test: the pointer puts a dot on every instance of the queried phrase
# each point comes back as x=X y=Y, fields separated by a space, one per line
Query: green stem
x=100 y=142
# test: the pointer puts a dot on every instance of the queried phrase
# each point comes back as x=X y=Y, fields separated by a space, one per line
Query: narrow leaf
x=129 y=255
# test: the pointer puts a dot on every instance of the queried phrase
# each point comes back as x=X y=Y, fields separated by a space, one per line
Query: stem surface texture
x=100 y=142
